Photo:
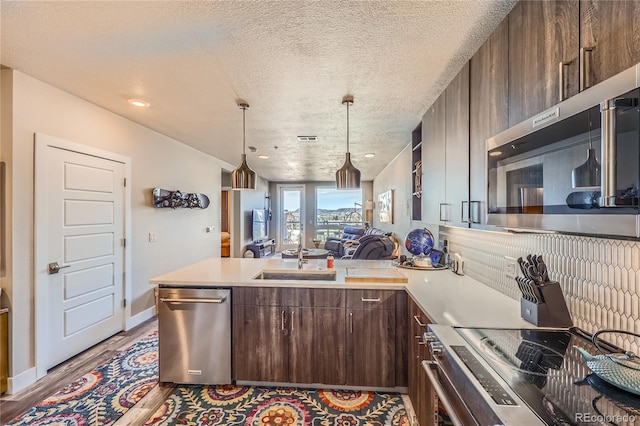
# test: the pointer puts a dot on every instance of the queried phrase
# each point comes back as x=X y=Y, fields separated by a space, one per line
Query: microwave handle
x=440 y=391
x=608 y=153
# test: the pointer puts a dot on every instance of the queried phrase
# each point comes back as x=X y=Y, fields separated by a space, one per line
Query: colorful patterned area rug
x=103 y=395
x=263 y=406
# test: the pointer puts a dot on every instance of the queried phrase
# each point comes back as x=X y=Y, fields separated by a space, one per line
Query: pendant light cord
x=347 y=126
x=590 y=143
x=244 y=132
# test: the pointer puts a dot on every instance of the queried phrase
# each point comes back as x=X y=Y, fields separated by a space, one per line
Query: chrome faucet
x=301 y=261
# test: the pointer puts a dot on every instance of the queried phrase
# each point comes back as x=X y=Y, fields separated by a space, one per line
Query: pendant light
x=243 y=177
x=348 y=177
x=587 y=175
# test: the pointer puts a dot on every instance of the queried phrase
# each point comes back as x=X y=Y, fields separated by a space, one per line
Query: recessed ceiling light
x=370 y=155
x=140 y=103
x=263 y=157
x=307 y=138
x=495 y=153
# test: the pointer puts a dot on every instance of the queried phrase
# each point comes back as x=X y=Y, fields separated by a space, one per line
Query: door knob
x=54 y=268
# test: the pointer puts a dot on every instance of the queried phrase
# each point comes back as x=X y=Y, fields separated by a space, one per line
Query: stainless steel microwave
x=573 y=168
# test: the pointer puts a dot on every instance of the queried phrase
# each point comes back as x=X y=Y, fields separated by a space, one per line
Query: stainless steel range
x=522 y=377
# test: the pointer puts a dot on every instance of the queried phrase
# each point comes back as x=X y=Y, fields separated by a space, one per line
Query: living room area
x=320 y=219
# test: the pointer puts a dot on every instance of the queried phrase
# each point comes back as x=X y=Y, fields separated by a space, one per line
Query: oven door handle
x=442 y=396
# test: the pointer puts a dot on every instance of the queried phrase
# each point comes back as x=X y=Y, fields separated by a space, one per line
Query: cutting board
x=374 y=275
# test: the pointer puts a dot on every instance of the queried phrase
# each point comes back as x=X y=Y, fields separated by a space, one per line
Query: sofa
x=346 y=245
x=372 y=247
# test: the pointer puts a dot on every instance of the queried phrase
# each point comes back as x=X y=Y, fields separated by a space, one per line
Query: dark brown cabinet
x=488 y=113
x=420 y=392
x=543 y=56
x=327 y=336
x=609 y=39
x=371 y=338
x=561 y=47
x=445 y=153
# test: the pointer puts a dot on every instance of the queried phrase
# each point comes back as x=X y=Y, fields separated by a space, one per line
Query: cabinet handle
x=446 y=216
x=561 y=87
x=471 y=217
x=282 y=321
x=583 y=67
x=292 y=320
x=377 y=299
x=462 y=213
x=415 y=317
x=351 y=322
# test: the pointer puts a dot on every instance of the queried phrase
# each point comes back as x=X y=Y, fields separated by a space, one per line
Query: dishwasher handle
x=169 y=300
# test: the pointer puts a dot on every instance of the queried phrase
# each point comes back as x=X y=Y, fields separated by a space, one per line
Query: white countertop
x=446 y=297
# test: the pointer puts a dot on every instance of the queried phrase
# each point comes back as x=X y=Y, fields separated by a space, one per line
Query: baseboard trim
x=17 y=383
x=140 y=318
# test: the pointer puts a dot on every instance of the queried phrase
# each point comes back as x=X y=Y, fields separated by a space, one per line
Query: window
x=335 y=209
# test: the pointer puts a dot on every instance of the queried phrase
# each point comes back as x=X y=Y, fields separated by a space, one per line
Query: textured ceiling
x=292 y=61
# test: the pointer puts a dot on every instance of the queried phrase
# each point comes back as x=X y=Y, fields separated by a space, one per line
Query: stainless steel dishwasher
x=194 y=335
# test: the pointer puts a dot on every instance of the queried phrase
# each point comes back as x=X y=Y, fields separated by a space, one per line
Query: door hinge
x=124 y=242
x=124 y=303
x=125 y=182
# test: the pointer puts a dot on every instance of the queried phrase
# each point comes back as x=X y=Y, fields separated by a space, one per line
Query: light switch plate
x=153 y=237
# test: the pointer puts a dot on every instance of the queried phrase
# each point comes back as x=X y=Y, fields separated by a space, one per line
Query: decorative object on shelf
x=163 y=198
x=418 y=180
x=348 y=177
x=243 y=177
x=419 y=242
x=385 y=206
x=316 y=242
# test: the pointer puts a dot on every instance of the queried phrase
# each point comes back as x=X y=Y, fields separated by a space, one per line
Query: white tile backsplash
x=600 y=278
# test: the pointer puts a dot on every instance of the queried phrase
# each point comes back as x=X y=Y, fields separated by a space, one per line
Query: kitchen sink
x=296 y=275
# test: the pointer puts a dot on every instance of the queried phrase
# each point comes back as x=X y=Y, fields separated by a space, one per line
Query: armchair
x=336 y=245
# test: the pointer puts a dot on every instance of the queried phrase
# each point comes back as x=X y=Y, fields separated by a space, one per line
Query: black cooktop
x=544 y=368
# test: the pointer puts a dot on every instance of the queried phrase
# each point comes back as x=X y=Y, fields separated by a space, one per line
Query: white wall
x=397 y=176
x=157 y=161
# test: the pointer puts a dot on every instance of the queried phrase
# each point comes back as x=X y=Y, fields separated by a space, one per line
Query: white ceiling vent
x=307 y=138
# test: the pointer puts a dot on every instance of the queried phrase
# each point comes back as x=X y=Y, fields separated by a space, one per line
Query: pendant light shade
x=243 y=177
x=587 y=175
x=348 y=177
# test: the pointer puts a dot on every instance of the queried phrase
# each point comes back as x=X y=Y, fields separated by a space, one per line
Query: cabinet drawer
x=370 y=299
x=317 y=298
x=262 y=296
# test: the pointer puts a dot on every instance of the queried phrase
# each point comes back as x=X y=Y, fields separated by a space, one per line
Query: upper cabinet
x=543 y=56
x=609 y=38
x=445 y=154
x=561 y=47
x=488 y=113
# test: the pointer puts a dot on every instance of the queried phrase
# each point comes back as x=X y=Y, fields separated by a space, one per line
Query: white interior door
x=291 y=216
x=85 y=238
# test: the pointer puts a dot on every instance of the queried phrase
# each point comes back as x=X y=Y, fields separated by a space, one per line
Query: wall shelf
x=416 y=173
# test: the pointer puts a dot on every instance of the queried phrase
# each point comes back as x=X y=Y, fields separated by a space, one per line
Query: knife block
x=553 y=312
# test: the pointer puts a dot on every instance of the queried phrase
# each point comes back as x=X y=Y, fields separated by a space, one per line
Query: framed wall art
x=385 y=206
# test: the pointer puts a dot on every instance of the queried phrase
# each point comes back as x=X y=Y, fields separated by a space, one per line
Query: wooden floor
x=76 y=367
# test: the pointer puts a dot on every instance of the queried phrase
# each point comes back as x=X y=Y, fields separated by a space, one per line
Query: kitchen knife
x=542 y=269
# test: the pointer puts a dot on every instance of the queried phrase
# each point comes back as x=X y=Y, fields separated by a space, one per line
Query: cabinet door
x=420 y=391
x=433 y=161
x=317 y=346
x=457 y=147
x=542 y=35
x=609 y=33
x=488 y=113
x=371 y=354
x=260 y=343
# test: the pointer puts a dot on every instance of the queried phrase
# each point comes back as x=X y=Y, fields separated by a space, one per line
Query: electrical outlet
x=511 y=267
x=153 y=237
